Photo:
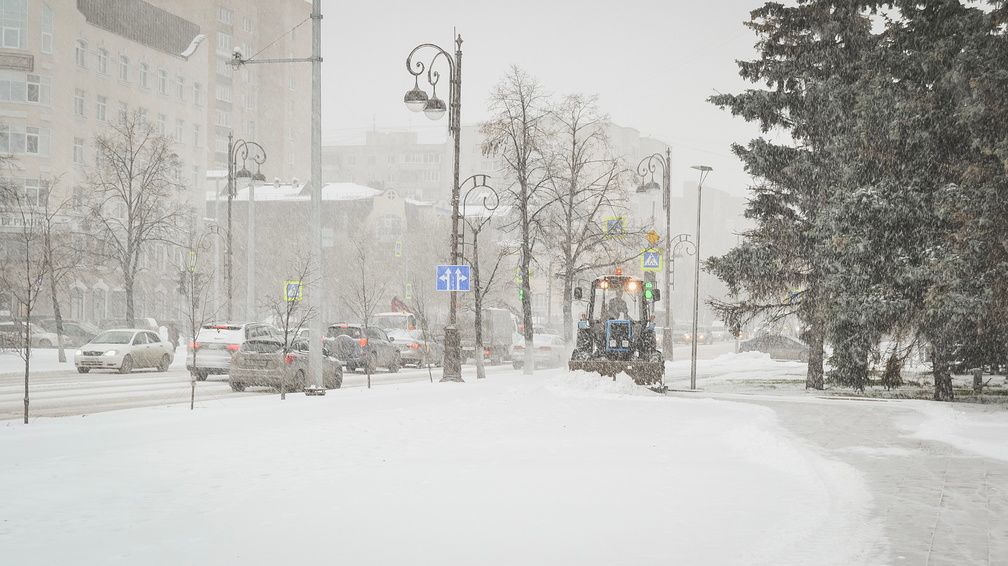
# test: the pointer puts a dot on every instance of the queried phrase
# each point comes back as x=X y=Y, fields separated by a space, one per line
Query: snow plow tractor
x=617 y=333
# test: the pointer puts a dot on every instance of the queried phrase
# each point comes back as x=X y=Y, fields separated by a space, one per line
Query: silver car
x=124 y=350
x=215 y=344
x=261 y=362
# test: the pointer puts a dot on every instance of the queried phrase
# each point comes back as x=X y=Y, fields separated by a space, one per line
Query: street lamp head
x=243 y=174
x=702 y=168
x=415 y=99
x=650 y=186
x=259 y=177
x=435 y=108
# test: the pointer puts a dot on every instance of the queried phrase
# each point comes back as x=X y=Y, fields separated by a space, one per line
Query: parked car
x=778 y=346
x=376 y=348
x=261 y=362
x=215 y=344
x=416 y=351
x=76 y=333
x=125 y=350
x=12 y=334
x=550 y=351
x=499 y=330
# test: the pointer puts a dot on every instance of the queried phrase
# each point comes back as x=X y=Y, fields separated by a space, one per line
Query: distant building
x=267 y=103
x=67 y=69
x=392 y=160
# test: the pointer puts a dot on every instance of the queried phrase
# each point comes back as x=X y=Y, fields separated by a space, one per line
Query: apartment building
x=266 y=103
x=393 y=160
x=67 y=71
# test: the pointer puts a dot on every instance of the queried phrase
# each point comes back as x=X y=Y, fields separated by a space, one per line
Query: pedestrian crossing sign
x=651 y=260
x=292 y=291
x=614 y=226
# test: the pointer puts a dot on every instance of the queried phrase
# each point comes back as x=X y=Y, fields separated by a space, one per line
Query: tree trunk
x=61 y=352
x=568 y=314
x=128 y=286
x=942 y=375
x=528 y=367
x=815 y=338
x=478 y=318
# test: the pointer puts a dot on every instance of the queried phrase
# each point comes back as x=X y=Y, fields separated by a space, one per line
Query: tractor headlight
x=612 y=343
x=626 y=343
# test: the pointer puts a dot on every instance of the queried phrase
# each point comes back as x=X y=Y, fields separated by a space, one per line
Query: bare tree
x=517 y=133
x=419 y=303
x=134 y=196
x=24 y=271
x=482 y=282
x=367 y=292
x=62 y=257
x=586 y=186
x=195 y=286
x=290 y=312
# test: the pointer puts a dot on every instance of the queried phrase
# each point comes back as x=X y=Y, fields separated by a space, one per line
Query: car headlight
x=110 y=353
x=80 y=353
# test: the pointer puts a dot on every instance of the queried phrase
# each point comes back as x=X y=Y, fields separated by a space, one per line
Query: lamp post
x=491 y=200
x=648 y=165
x=704 y=171
x=242 y=148
x=258 y=157
x=417 y=100
x=679 y=240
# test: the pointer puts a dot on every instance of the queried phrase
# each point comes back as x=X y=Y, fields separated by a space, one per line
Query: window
x=223 y=118
x=220 y=144
x=123 y=112
x=161 y=126
x=34 y=141
x=250 y=102
x=144 y=75
x=18 y=139
x=101 y=109
x=13 y=23
x=179 y=127
x=224 y=42
x=162 y=83
x=224 y=93
x=250 y=129
x=102 y=61
x=38 y=89
x=247 y=25
x=197 y=94
x=123 y=68
x=196 y=135
x=180 y=87
x=78 y=102
x=224 y=67
x=80 y=53
x=78 y=151
x=36 y=191
x=224 y=15
x=47 y=29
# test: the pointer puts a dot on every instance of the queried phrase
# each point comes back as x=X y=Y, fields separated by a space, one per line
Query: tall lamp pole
x=417 y=100
x=677 y=241
x=704 y=171
x=239 y=148
x=648 y=165
x=315 y=246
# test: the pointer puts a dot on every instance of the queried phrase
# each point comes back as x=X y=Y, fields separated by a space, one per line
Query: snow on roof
x=289 y=192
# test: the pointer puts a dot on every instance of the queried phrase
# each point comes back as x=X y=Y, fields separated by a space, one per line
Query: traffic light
x=521 y=294
x=649 y=290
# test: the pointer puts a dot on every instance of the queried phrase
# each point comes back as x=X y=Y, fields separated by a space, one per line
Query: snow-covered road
x=557 y=468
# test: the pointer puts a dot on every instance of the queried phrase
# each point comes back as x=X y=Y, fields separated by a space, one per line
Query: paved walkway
x=939 y=505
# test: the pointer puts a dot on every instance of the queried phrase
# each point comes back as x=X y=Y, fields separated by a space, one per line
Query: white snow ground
x=45 y=360
x=555 y=468
x=974 y=428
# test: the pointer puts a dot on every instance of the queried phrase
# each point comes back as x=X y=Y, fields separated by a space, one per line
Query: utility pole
x=250 y=314
x=704 y=171
x=315 y=291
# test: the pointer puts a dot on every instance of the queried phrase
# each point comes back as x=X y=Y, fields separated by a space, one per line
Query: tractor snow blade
x=643 y=373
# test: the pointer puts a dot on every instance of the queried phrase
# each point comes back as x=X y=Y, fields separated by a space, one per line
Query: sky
x=652 y=63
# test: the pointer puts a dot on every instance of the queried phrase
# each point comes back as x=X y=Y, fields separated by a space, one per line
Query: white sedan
x=125 y=350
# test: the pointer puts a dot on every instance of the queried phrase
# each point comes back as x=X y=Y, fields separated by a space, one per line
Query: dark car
x=779 y=347
x=375 y=350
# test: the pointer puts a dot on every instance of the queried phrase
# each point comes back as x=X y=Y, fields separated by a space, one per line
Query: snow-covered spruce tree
x=809 y=56
x=898 y=239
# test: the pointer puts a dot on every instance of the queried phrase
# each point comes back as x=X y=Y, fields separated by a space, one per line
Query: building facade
x=393 y=160
x=67 y=71
x=266 y=103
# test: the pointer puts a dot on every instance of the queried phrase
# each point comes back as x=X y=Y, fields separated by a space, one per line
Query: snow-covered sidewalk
x=512 y=470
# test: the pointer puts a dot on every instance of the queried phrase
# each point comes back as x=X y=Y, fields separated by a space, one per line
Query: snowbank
x=547 y=469
x=744 y=366
x=46 y=360
x=976 y=429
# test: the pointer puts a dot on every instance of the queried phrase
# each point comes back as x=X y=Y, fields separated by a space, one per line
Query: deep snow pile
x=976 y=429
x=548 y=469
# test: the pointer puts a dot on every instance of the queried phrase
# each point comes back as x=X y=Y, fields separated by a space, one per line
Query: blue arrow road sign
x=651 y=260
x=452 y=278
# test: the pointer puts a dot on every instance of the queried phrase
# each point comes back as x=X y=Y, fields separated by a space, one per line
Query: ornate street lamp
x=416 y=99
x=648 y=166
x=491 y=200
x=244 y=149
